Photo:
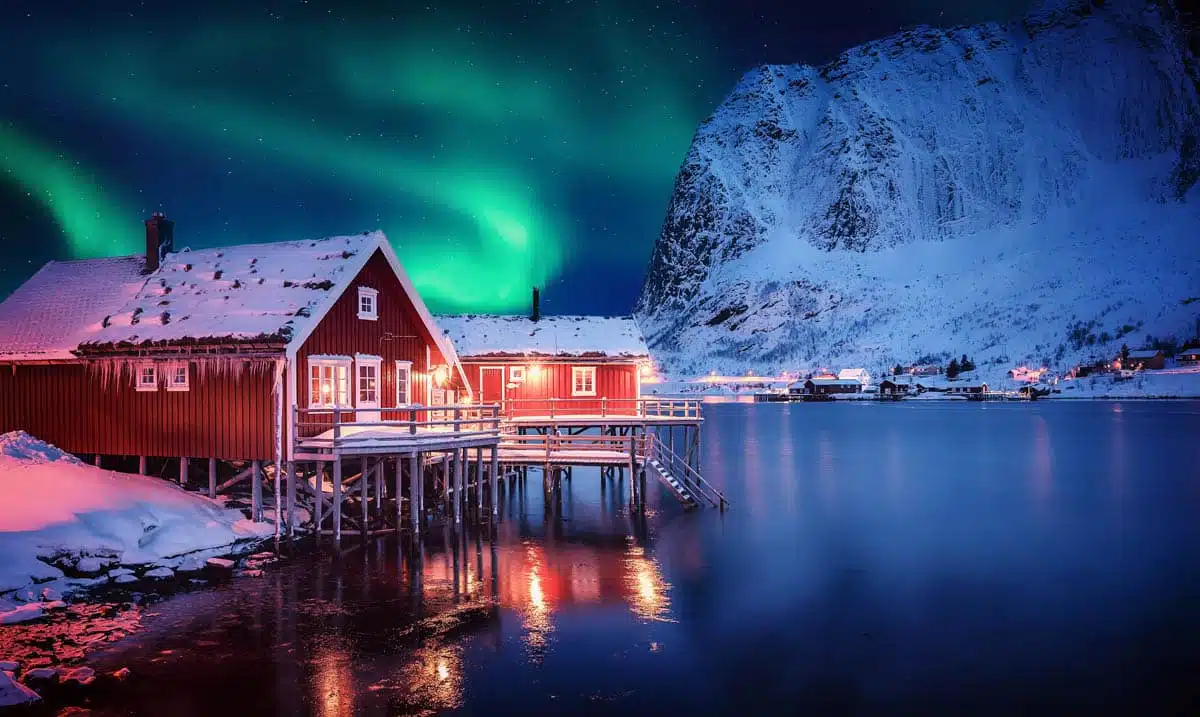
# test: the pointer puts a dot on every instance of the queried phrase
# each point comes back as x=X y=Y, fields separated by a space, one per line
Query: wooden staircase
x=684 y=481
x=678 y=489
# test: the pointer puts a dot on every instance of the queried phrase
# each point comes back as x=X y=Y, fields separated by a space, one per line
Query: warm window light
x=440 y=374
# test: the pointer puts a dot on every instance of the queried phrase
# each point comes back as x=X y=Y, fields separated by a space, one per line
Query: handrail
x=675 y=463
x=467 y=420
x=603 y=406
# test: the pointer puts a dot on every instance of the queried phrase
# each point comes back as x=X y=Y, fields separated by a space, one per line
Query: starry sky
x=500 y=145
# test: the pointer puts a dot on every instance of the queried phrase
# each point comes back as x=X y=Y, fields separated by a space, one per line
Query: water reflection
x=647 y=590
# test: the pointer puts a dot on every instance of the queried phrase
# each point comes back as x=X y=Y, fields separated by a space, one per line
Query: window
x=177 y=376
x=329 y=382
x=516 y=374
x=368 y=383
x=583 y=380
x=368 y=303
x=403 y=383
x=147 y=377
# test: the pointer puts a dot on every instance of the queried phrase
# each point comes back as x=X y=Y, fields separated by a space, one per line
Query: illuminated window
x=368 y=384
x=583 y=380
x=147 y=377
x=177 y=376
x=516 y=374
x=329 y=383
x=368 y=303
x=403 y=383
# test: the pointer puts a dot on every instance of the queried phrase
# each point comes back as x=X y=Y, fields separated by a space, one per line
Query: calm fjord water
x=907 y=558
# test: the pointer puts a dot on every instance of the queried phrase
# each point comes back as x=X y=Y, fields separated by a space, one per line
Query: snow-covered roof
x=249 y=292
x=1144 y=353
x=856 y=374
x=63 y=304
x=829 y=382
x=598 y=336
x=1189 y=352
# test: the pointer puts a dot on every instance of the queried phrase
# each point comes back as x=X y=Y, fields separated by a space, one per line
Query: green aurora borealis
x=469 y=145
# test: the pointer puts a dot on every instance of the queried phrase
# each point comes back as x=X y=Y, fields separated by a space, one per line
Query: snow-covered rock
x=14 y=693
x=9 y=666
x=160 y=573
x=53 y=508
x=1013 y=192
x=127 y=578
x=83 y=676
x=221 y=563
x=40 y=674
x=24 y=613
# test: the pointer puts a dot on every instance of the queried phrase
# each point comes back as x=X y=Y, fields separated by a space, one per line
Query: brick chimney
x=537 y=305
x=160 y=239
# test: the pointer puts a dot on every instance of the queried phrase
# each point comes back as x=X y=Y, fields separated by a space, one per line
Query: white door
x=367 y=386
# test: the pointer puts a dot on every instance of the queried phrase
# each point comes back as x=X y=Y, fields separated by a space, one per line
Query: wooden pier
x=359 y=472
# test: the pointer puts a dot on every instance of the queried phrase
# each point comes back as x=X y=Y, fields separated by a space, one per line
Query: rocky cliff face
x=987 y=190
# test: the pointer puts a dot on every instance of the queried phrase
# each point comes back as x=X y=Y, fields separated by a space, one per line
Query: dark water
x=899 y=559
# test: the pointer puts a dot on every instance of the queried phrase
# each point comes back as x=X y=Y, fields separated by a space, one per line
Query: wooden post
x=183 y=470
x=379 y=487
x=399 y=493
x=256 y=503
x=319 y=495
x=337 y=498
x=479 y=479
x=291 y=498
x=414 y=491
x=362 y=493
x=492 y=479
x=460 y=481
x=142 y=465
x=212 y=477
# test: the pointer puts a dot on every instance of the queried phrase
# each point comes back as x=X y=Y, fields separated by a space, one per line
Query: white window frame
x=362 y=361
x=516 y=374
x=331 y=362
x=151 y=385
x=370 y=313
x=583 y=371
x=404 y=367
x=173 y=369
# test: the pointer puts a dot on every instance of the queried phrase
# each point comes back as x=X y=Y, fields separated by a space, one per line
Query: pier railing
x=655 y=449
x=581 y=448
x=348 y=427
x=603 y=407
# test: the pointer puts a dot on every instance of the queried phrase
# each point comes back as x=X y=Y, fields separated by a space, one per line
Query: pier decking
x=458 y=455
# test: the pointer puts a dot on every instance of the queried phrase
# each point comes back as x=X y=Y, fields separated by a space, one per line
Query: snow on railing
x=603 y=407
x=342 y=426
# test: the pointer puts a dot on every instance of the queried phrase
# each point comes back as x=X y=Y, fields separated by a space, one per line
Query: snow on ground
x=55 y=508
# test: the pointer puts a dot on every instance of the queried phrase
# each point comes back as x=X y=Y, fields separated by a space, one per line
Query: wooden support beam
x=256 y=502
x=183 y=471
x=243 y=475
x=291 y=498
x=337 y=497
x=212 y=477
x=399 y=493
x=362 y=491
x=379 y=487
x=318 y=492
x=141 y=465
x=493 y=477
x=479 y=480
x=414 y=492
x=96 y=461
x=460 y=498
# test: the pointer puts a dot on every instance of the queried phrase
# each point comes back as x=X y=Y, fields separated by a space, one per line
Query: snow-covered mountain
x=1014 y=192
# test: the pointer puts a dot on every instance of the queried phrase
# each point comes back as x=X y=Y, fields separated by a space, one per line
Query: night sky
x=499 y=145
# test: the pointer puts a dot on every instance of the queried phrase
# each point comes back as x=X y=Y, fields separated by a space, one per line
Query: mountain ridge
x=813 y=198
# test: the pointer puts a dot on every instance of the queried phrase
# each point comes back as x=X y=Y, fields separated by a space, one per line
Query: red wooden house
x=206 y=353
x=554 y=365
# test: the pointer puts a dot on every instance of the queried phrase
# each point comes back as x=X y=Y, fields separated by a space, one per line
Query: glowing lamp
x=534 y=371
x=440 y=375
x=644 y=369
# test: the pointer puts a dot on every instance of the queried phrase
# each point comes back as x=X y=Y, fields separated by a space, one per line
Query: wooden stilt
x=379 y=487
x=141 y=465
x=479 y=480
x=414 y=491
x=183 y=471
x=459 y=482
x=399 y=492
x=212 y=477
x=291 y=498
x=337 y=497
x=493 y=477
x=96 y=460
x=364 y=480
x=318 y=492
x=256 y=498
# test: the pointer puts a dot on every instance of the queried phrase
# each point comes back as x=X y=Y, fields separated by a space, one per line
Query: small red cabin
x=552 y=366
x=207 y=353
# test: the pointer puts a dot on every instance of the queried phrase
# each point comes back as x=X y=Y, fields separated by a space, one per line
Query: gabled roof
x=63 y=304
x=478 y=335
x=274 y=293
x=1144 y=353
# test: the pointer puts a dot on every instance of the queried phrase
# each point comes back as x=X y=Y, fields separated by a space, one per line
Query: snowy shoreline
x=67 y=527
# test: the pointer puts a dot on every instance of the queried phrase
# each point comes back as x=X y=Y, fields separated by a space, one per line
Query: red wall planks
x=223 y=414
x=616 y=382
x=397 y=335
